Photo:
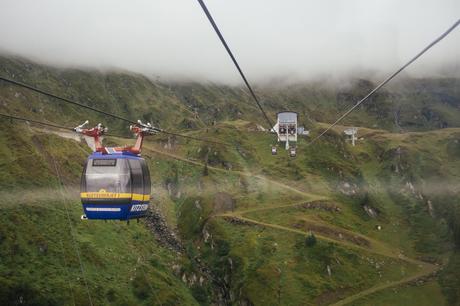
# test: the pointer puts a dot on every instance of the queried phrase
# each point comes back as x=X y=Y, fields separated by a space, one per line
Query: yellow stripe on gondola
x=141 y=197
x=105 y=195
x=138 y=197
x=115 y=195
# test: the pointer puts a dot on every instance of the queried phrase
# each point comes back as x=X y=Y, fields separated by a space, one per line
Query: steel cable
x=387 y=80
x=230 y=53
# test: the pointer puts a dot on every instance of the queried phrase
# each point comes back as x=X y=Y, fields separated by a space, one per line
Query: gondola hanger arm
x=96 y=133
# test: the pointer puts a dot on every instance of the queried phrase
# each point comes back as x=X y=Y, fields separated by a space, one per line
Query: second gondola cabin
x=286 y=128
x=115 y=182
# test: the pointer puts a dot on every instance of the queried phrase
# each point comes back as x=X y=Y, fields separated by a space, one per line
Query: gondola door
x=140 y=199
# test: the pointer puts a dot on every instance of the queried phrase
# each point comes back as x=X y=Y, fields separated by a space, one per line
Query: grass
x=246 y=246
x=427 y=294
x=122 y=265
x=272 y=259
x=258 y=264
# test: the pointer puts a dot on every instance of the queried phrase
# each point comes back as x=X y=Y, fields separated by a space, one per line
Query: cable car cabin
x=115 y=186
x=286 y=126
x=292 y=152
x=274 y=150
x=115 y=183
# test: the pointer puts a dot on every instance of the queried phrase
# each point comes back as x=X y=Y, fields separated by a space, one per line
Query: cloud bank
x=294 y=39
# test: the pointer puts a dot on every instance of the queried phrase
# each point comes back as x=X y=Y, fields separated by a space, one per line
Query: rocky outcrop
x=320 y=205
x=201 y=275
x=348 y=189
x=237 y=221
x=370 y=211
x=163 y=234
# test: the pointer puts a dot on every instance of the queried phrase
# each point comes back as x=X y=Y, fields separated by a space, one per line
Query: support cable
x=141 y=261
x=46 y=93
x=230 y=53
x=67 y=272
x=72 y=233
x=387 y=80
x=37 y=122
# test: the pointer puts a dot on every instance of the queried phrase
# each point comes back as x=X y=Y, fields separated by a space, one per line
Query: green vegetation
x=310 y=241
x=362 y=223
x=410 y=104
x=450 y=280
x=122 y=265
x=423 y=295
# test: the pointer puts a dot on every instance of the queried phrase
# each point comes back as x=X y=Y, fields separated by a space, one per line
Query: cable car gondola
x=286 y=130
x=115 y=182
x=292 y=152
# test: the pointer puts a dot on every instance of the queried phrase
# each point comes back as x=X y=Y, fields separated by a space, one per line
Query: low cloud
x=292 y=39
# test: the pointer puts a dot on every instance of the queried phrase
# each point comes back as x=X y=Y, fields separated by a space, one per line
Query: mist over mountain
x=226 y=223
x=407 y=104
x=293 y=40
x=235 y=216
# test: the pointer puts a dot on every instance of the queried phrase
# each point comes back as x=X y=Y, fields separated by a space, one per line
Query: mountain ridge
x=406 y=105
x=242 y=215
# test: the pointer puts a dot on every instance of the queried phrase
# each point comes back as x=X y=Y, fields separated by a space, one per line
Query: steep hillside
x=50 y=257
x=408 y=104
x=248 y=224
x=233 y=225
x=368 y=187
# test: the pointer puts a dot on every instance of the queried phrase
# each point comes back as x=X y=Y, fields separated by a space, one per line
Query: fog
x=290 y=39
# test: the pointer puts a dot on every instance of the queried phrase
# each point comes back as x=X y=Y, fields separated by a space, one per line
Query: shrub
x=310 y=240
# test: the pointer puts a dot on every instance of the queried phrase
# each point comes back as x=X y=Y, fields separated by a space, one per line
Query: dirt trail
x=255 y=209
x=427 y=269
x=319 y=235
x=376 y=247
x=310 y=196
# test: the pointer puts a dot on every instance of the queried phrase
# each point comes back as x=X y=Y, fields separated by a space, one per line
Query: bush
x=16 y=293
x=141 y=287
x=223 y=248
x=310 y=240
x=200 y=294
x=205 y=170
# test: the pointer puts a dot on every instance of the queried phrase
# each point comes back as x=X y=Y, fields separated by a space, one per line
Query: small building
x=302 y=131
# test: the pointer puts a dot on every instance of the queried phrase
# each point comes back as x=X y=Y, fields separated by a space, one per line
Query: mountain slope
x=383 y=212
x=408 y=104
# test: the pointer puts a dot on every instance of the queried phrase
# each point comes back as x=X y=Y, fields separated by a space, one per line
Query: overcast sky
x=272 y=39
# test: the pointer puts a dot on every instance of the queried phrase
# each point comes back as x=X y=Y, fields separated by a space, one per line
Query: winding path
x=375 y=247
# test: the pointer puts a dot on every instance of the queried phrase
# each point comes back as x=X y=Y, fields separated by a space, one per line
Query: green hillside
x=407 y=104
x=373 y=224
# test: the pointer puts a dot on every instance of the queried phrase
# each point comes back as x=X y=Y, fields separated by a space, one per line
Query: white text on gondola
x=139 y=207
